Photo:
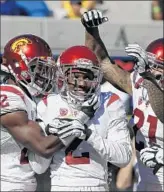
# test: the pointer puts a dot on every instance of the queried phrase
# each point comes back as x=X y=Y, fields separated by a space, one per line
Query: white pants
x=8 y=186
x=100 y=188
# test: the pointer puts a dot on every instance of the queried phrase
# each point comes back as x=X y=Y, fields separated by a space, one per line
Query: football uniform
x=16 y=167
x=125 y=98
x=84 y=164
x=149 y=130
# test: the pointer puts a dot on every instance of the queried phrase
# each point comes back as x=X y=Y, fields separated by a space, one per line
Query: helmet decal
x=19 y=44
x=29 y=58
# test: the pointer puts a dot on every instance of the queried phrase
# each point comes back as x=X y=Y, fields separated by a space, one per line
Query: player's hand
x=140 y=56
x=93 y=18
x=89 y=108
x=152 y=156
x=67 y=130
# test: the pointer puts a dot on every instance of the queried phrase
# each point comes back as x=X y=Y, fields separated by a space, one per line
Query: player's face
x=43 y=74
x=80 y=82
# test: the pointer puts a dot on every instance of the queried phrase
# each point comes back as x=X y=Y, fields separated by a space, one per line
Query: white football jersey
x=15 y=165
x=85 y=163
x=148 y=128
x=125 y=98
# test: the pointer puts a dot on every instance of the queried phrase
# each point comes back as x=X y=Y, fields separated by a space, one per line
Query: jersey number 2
x=3 y=102
x=152 y=123
x=70 y=160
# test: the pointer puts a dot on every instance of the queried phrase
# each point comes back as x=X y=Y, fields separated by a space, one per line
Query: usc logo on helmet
x=19 y=44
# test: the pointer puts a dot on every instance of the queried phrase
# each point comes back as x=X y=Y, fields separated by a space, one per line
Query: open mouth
x=80 y=92
x=39 y=80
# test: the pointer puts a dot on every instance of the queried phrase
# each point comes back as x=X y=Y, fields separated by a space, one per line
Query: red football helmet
x=78 y=59
x=156 y=59
x=29 y=59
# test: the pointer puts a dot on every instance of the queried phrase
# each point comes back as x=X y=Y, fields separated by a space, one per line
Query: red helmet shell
x=157 y=48
x=71 y=55
x=21 y=49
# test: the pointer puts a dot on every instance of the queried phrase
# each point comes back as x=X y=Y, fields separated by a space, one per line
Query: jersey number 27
x=152 y=124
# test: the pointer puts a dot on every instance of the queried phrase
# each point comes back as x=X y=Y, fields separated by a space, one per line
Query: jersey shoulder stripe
x=13 y=89
x=114 y=97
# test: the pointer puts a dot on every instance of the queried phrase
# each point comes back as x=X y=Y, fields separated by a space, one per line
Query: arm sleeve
x=12 y=99
x=41 y=109
x=116 y=147
x=39 y=164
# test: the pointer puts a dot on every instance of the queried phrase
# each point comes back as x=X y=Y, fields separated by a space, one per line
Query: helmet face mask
x=81 y=83
x=42 y=73
x=29 y=59
x=80 y=78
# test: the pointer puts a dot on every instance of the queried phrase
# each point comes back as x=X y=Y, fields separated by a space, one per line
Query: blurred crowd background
x=66 y=9
x=129 y=22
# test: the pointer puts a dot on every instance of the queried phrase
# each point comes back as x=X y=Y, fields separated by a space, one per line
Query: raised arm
x=112 y=72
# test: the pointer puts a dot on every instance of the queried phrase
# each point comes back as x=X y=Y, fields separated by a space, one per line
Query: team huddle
x=76 y=128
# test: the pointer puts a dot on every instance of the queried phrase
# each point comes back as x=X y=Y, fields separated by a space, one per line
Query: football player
x=146 y=86
x=92 y=141
x=28 y=70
